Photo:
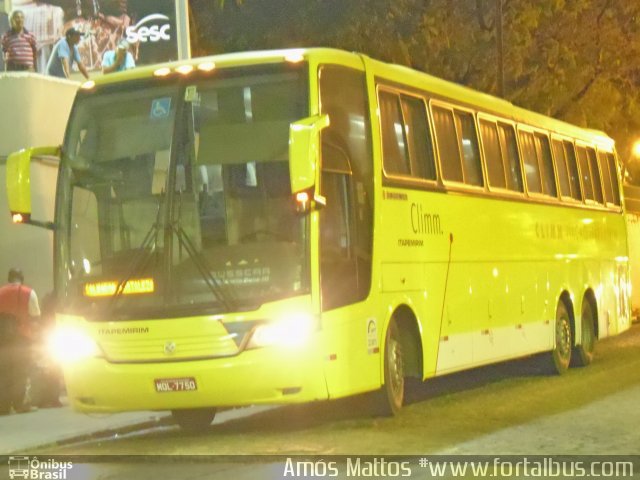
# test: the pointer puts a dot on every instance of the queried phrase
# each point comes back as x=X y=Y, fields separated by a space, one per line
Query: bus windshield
x=178 y=196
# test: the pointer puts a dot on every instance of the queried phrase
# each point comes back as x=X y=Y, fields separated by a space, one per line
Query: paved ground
x=49 y=426
x=604 y=427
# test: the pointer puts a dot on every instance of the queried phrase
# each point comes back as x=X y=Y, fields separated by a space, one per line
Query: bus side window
x=574 y=177
x=423 y=163
x=611 y=160
x=561 y=167
x=406 y=140
x=543 y=150
x=530 y=160
x=450 y=164
x=509 y=147
x=606 y=177
x=492 y=154
x=468 y=143
x=595 y=175
x=587 y=181
x=395 y=148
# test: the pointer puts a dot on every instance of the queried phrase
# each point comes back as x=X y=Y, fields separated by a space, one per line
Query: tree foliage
x=577 y=60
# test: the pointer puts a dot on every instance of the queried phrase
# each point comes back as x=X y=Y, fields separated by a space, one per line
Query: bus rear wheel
x=561 y=353
x=194 y=419
x=392 y=393
x=583 y=353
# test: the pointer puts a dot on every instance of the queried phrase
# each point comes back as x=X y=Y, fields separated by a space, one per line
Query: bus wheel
x=393 y=389
x=194 y=419
x=583 y=353
x=561 y=353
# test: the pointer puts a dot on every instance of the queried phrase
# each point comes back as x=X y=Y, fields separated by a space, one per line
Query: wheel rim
x=395 y=370
x=563 y=339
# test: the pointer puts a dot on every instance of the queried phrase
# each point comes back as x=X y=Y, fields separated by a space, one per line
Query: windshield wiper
x=149 y=240
x=217 y=288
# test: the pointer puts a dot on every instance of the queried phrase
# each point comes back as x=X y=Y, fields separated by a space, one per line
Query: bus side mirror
x=19 y=184
x=304 y=152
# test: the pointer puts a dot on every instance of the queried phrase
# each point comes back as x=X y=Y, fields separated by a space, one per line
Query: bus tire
x=392 y=393
x=583 y=353
x=563 y=340
x=194 y=419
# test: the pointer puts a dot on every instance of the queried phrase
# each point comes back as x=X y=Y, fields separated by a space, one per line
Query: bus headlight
x=69 y=345
x=291 y=331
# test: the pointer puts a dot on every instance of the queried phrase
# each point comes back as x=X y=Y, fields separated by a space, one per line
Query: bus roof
x=398 y=74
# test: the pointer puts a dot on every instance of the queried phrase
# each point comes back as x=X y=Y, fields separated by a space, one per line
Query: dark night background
x=577 y=60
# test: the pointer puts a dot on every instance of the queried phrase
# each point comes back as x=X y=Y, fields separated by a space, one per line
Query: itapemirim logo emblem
x=33 y=468
x=169 y=348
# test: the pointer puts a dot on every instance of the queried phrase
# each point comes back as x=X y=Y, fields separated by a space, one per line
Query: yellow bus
x=287 y=226
x=632 y=206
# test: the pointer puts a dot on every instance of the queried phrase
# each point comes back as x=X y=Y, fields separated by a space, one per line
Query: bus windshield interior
x=178 y=196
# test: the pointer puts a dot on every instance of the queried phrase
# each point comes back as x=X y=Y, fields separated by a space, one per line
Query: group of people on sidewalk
x=22 y=327
x=19 y=47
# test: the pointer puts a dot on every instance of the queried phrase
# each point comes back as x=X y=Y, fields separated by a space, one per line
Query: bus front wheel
x=392 y=393
x=194 y=419
x=561 y=353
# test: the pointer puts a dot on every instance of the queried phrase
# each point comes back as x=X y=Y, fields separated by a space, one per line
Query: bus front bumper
x=261 y=376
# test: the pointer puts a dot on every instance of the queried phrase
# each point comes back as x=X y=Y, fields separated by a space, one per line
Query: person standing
x=65 y=53
x=119 y=59
x=19 y=45
x=18 y=309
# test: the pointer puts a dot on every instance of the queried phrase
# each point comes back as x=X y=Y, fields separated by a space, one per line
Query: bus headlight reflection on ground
x=291 y=331
x=69 y=345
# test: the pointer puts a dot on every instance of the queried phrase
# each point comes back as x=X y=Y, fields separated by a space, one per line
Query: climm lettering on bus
x=423 y=222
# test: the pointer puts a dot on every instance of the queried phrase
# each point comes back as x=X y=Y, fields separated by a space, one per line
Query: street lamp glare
x=636 y=149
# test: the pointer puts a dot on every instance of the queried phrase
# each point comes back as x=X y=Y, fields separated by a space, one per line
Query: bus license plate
x=175 y=384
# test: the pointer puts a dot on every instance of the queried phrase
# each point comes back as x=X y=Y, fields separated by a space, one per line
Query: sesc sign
x=150 y=29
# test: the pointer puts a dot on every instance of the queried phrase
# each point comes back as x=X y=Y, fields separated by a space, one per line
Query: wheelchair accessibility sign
x=37 y=469
x=160 y=108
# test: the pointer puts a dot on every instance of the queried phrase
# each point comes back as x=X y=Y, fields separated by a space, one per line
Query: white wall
x=35 y=109
x=34 y=112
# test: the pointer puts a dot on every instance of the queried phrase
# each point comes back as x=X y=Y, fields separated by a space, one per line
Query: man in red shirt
x=18 y=307
x=19 y=45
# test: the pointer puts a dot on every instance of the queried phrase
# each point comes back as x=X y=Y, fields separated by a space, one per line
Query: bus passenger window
x=423 y=164
x=471 y=165
x=572 y=163
x=561 y=168
x=492 y=154
x=394 y=136
x=606 y=177
x=447 y=144
x=587 y=182
x=545 y=160
x=595 y=175
x=511 y=157
x=611 y=160
x=531 y=166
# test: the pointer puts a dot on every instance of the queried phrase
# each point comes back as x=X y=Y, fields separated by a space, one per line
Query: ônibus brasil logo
x=141 y=32
x=33 y=468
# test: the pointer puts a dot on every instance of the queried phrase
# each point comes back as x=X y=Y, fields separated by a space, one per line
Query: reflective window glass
x=447 y=144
